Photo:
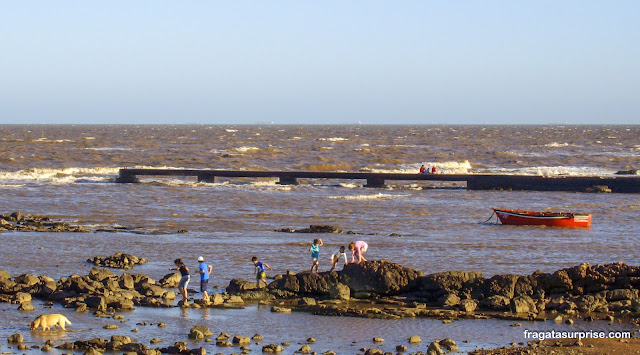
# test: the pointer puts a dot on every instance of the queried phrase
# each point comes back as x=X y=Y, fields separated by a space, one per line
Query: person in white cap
x=205 y=271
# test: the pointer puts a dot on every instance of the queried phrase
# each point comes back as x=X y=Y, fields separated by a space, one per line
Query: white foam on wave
x=556 y=144
x=350 y=185
x=46 y=140
x=377 y=196
x=555 y=171
x=334 y=139
x=108 y=148
x=231 y=130
x=245 y=149
x=59 y=176
x=11 y=186
x=270 y=185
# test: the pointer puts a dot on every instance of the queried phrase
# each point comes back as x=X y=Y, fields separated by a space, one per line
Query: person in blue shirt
x=315 y=253
x=259 y=271
x=205 y=272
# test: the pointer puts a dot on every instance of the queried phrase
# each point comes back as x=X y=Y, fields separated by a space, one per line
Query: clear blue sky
x=290 y=62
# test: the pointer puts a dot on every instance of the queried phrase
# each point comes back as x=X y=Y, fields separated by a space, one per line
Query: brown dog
x=46 y=321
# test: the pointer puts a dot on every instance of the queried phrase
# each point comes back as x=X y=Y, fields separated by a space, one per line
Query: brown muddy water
x=68 y=172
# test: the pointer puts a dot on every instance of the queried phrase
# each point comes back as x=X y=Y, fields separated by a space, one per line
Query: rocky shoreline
x=20 y=222
x=372 y=289
x=382 y=289
x=17 y=221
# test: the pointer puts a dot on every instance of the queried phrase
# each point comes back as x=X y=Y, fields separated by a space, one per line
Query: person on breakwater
x=184 y=280
x=315 y=253
x=433 y=169
x=205 y=272
x=335 y=257
x=357 y=249
x=422 y=169
x=259 y=271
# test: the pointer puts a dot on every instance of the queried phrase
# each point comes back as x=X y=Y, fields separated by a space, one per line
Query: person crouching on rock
x=357 y=249
x=315 y=253
x=336 y=257
x=259 y=271
x=184 y=280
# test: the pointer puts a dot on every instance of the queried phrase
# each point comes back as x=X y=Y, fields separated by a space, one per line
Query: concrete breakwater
x=619 y=184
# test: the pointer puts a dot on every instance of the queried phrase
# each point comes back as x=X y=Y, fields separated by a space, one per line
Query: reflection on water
x=345 y=335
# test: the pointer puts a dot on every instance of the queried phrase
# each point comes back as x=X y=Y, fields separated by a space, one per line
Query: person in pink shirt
x=357 y=249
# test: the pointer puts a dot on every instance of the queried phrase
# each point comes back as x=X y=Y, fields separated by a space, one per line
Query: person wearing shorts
x=205 y=272
x=259 y=270
x=184 y=279
x=315 y=253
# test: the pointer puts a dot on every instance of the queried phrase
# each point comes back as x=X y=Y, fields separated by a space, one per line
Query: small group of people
x=356 y=248
x=204 y=270
x=424 y=170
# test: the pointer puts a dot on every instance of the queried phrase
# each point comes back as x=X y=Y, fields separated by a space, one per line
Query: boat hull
x=551 y=219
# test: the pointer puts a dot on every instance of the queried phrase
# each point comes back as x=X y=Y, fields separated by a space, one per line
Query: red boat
x=552 y=219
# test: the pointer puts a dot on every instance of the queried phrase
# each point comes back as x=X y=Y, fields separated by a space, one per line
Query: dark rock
x=307 y=301
x=97 y=274
x=312 y=229
x=340 y=291
x=305 y=349
x=379 y=276
x=448 y=344
x=92 y=351
x=26 y=306
x=497 y=303
x=240 y=285
x=27 y=280
x=170 y=280
x=272 y=348
x=628 y=172
x=118 y=260
x=434 y=349
x=137 y=347
x=241 y=340
x=96 y=302
x=523 y=304
x=598 y=189
x=468 y=305
x=202 y=329
x=15 y=338
x=501 y=285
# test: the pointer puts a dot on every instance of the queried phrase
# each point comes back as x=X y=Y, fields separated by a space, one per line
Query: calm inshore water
x=68 y=172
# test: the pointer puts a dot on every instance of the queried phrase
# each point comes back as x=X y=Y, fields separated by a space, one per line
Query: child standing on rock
x=259 y=271
x=315 y=253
